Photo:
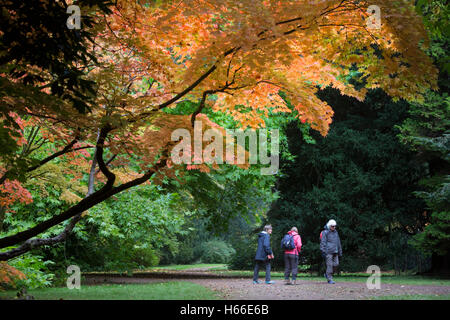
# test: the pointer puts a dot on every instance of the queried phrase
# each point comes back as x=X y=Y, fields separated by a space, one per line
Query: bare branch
x=107 y=163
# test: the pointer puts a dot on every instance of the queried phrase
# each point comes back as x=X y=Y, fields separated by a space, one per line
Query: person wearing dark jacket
x=330 y=247
x=263 y=255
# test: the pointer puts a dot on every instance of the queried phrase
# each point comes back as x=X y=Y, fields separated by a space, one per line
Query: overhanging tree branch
x=33 y=243
x=85 y=204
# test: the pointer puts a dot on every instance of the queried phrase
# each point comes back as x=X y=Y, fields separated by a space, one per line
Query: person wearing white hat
x=330 y=246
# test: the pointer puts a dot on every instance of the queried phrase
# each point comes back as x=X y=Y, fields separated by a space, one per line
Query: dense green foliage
x=216 y=251
x=127 y=232
x=427 y=132
x=36 y=270
x=361 y=176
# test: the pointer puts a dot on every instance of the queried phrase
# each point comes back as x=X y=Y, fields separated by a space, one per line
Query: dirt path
x=243 y=289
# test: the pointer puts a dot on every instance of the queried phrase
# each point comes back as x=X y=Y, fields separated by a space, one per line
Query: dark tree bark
x=440 y=265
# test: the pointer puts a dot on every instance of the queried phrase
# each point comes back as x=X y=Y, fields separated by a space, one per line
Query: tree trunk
x=440 y=265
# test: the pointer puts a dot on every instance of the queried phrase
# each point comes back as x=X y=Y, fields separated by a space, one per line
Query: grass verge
x=174 y=290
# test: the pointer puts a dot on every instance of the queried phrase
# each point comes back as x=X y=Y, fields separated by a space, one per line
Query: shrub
x=35 y=269
x=185 y=254
x=244 y=257
x=144 y=257
x=216 y=251
x=9 y=276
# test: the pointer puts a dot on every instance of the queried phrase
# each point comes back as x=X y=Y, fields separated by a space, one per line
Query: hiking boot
x=293 y=282
x=331 y=282
x=256 y=282
x=286 y=281
x=270 y=282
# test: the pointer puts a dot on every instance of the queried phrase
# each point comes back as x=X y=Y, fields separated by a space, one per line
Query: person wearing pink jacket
x=291 y=257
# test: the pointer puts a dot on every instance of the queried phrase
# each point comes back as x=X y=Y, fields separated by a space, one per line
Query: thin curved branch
x=111 y=177
x=85 y=204
x=201 y=105
x=188 y=89
x=107 y=162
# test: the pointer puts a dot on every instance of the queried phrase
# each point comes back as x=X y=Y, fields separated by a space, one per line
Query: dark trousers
x=290 y=265
x=258 y=265
x=332 y=261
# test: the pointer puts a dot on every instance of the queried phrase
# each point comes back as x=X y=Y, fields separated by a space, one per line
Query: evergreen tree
x=361 y=176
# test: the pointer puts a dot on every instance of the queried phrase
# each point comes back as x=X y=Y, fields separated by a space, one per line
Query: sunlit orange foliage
x=256 y=48
x=153 y=54
x=9 y=275
x=12 y=191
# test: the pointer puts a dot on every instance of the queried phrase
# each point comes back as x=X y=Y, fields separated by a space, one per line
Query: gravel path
x=244 y=289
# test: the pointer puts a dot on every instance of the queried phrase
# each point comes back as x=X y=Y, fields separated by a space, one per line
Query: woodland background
x=381 y=171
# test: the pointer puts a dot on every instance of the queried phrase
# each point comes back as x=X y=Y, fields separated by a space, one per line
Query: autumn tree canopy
x=234 y=56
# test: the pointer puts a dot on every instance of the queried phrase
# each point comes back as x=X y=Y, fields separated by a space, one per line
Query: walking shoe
x=331 y=282
x=270 y=282
x=293 y=282
x=286 y=281
x=256 y=282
